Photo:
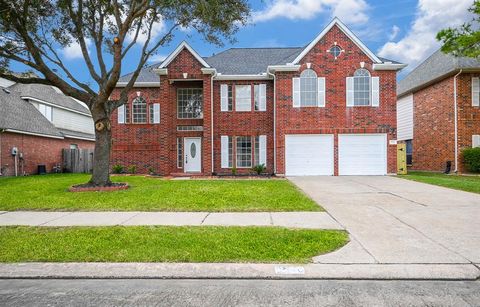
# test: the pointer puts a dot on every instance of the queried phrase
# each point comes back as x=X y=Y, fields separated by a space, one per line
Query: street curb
x=92 y=270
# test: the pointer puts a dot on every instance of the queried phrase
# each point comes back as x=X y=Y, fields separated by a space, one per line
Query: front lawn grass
x=166 y=244
x=458 y=182
x=49 y=192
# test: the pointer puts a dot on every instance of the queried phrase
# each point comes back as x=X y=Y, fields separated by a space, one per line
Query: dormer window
x=308 y=88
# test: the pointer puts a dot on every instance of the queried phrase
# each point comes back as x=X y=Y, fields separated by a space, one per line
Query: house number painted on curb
x=289 y=270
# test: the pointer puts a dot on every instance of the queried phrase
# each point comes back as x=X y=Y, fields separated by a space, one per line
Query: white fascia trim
x=139 y=84
x=160 y=71
x=208 y=71
x=55 y=105
x=347 y=32
x=78 y=137
x=275 y=68
x=389 y=66
x=180 y=47
x=242 y=77
x=35 y=134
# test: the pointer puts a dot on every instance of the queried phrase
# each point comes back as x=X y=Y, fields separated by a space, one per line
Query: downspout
x=274 y=121
x=211 y=119
x=456 y=119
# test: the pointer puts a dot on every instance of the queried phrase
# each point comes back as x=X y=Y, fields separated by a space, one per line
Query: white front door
x=193 y=155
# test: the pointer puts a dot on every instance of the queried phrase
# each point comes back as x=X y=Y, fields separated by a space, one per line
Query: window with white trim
x=308 y=88
x=362 y=87
x=179 y=152
x=47 y=111
x=243 y=98
x=244 y=151
x=139 y=111
x=230 y=152
x=151 y=113
x=190 y=103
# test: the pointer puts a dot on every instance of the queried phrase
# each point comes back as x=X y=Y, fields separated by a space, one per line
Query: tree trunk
x=101 y=154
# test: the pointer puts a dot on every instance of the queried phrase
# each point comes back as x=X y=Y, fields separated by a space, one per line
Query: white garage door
x=362 y=154
x=309 y=155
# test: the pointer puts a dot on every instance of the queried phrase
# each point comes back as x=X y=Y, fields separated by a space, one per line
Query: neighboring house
x=325 y=109
x=39 y=121
x=439 y=111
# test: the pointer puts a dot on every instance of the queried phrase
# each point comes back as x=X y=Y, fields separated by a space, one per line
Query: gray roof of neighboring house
x=49 y=94
x=237 y=61
x=18 y=114
x=76 y=134
x=435 y=67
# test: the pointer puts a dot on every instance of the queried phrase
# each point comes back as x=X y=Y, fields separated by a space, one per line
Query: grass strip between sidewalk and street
x=50 y=193
x=457 y=182
x=166 y=244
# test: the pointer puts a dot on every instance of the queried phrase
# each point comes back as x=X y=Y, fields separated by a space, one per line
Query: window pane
x=243 y=98
x=230 y=98
x=308 y=88
x=190 y=103
x=244 y=151
x=150 y=113
x=361 y=87
x=139 y=110
x=179 y=153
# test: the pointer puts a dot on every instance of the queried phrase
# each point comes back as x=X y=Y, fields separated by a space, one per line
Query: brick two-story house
x=325 y=109
x=439 y=111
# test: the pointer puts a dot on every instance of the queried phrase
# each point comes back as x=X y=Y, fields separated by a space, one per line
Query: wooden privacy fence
x=78 y=160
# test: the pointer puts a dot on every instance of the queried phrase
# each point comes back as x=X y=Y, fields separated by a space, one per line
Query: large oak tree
x=33 y=31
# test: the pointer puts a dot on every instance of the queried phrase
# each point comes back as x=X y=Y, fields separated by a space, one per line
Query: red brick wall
x=36 y=150
x=232 y=123
x=434 y=127
x=155 y=145
x=335 y=117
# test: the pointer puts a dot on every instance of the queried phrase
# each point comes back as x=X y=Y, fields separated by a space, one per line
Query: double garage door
x=358 y=154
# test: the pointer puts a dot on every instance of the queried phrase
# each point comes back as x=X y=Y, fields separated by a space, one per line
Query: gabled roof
x=48 y=94
x=22 y=116
x=344 y=29
x=438 y=66
x=173 y=55
x=234 y=61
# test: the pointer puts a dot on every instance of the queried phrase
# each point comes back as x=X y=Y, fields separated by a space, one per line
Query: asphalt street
x=154 y=292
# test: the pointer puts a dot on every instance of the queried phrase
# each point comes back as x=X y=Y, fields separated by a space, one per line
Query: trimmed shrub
x=259 y=169
x=117 y=169
x=471 y=158
x=132 y=169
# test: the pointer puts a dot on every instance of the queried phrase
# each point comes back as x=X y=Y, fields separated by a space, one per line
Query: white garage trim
x=309 y=154
x=362 y=154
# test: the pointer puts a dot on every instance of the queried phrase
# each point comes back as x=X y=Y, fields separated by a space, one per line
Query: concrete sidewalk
x=312 y=220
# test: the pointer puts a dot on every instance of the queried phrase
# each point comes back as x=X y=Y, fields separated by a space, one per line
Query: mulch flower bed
x=114 y=186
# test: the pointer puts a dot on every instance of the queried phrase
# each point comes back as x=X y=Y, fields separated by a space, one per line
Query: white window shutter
x=375 y=91
x=263 y=97
x=262 y=150
x=121 y=114
x=475 y=91
x=296 y=92
x=476 y=140
x=224 y=146
x=321 y=92
x=156 y=113
x=350 y=92
x=224 y=97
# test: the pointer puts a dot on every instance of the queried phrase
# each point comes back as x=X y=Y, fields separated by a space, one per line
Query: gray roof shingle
x=436 y=66
x=146 y=75
x=21 y=115
x=49 y=94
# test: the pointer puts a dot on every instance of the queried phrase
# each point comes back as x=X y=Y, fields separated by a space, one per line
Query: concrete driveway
x=392 y=220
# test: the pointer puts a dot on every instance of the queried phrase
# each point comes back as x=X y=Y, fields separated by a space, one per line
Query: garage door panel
x=362 y=154
x=308 y=155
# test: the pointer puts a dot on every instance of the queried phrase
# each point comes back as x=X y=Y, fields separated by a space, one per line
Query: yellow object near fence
x=401 y=159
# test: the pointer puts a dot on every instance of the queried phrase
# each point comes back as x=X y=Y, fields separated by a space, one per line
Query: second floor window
x=189 y=103
x=243 y=98
x=308 y=88
x=361 y=87
x=139 y=111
